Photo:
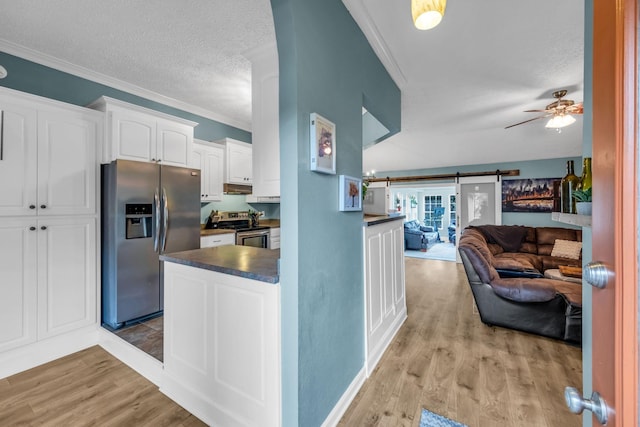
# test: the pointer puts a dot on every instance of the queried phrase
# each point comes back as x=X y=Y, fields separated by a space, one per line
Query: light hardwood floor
x=445 y=360
x=88 y=388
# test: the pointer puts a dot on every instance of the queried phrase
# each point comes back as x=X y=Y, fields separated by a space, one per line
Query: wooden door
x=615 y=355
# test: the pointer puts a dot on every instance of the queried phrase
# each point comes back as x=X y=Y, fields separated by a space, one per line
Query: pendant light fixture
x=427 y=13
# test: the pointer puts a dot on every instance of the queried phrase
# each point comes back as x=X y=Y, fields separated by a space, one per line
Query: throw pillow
x=566 y=249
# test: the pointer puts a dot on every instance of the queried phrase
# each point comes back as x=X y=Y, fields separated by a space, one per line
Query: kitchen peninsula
x=222 y=334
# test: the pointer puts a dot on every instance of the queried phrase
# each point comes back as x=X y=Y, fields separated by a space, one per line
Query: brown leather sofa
x=505 y=267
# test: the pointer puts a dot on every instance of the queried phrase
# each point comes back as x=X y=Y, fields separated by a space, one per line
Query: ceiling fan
x=560 y=111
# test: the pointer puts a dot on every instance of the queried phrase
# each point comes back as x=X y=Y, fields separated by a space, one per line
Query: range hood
x=237 y=189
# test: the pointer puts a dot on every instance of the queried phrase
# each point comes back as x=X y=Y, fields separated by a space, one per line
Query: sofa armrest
x=413 y=231
x=524 y=289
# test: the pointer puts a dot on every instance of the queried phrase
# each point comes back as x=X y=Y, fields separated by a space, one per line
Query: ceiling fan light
x=427 y=13
x=560 y=121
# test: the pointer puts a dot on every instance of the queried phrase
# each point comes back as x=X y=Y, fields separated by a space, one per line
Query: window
x=452 y=209
x=433 y=211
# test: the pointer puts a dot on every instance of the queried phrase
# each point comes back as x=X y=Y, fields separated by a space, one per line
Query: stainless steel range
x=247 y=234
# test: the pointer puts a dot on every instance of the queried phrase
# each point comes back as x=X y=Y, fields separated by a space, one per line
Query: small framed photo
x=322 y=135
x=350 y=193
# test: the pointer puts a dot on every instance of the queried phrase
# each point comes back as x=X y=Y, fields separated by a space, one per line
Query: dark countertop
x=379 y=219
x=244 y=261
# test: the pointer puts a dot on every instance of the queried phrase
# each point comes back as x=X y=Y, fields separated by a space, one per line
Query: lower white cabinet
x=222 y=346
x=274 y=238
x=48 y=278
x=217 y=240
x=385 y=302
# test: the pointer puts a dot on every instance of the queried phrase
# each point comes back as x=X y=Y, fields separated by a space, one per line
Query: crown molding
x=361 y=15
x=85 y=73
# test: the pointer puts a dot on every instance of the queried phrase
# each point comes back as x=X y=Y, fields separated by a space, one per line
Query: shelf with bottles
x=573 y=219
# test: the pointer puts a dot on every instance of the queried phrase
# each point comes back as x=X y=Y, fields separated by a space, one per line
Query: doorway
x=432 y=205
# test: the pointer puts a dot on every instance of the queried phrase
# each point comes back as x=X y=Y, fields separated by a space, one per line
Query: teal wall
x=547 y=168
x=327 y=67
x=27 y=76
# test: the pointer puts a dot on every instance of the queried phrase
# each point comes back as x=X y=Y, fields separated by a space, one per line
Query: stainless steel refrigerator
x=147 y=210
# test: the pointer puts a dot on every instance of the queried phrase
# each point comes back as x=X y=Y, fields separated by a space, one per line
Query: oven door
x=258 y=239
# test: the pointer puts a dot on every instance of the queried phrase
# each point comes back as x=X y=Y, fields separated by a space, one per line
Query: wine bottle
x=585 y=179
x=568 y=185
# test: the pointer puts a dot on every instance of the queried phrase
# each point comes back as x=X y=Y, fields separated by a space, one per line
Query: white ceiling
x=461 y=83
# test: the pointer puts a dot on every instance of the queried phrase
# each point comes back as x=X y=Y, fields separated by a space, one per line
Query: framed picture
x=323 y=144
x=528 y=195
x=350 y=193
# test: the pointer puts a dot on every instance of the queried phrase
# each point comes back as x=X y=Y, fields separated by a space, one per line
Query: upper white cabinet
x=238 y=167
x=265 y=135
x=48 y=157
x=137 y=133
x=209 y=158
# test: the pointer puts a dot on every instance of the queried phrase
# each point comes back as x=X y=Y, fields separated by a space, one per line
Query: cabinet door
x=239 y=163
x=67 y=163
x=66 y=275
x=18 y=148
x=133 y=136
x=18 y=263
x=197 y=162
x=174 y=143
x=214 y=168
x=217 y=240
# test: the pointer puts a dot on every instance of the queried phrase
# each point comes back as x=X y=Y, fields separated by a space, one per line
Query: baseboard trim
x=41 y=352
x=347 y=397
x=147 y=366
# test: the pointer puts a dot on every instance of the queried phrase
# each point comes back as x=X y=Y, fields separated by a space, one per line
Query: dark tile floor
x=147 y=335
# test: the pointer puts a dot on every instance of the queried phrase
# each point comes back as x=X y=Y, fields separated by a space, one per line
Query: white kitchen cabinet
x=385 y=308
x=274 y=238
x=18 y=279
x=48 y=163
x=222 y=346
x=217 y=240
x=66 y=274
x=265 y=124
x=209 y=158
x=238 y=167
x=48 y=276
x=137 y=133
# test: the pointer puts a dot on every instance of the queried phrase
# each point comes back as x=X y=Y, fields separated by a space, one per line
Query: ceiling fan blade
x=575 y=108
x=535 y=111
x=527 y=121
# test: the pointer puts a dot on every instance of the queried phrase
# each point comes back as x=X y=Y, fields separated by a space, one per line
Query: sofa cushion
x=526 y=261
x=524 y=290
x=546 y=237
x=510 y=237
x=567 y=249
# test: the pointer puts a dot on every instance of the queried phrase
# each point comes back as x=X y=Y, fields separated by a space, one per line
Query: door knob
x=597 y=274
x=577 y=404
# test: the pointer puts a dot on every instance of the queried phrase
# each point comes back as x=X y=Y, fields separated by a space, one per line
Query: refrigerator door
x=180 y=192
x=131 y=268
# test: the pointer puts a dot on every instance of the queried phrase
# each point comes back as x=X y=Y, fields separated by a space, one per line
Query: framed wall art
x=323 y=144
x=350 y=193
x=528 y=195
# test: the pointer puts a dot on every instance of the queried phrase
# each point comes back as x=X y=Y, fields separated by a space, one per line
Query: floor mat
x=429 y=419
x=439 y=251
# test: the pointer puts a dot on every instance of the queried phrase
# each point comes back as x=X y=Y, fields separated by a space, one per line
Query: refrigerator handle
x=165 y=217
x=156 y=238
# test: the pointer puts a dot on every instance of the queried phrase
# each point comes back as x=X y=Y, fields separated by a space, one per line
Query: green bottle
x=568 y=185
x=585 y=179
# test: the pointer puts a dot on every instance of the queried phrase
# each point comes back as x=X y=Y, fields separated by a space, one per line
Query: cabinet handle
x=44 y=227
x=153 y=160
x=32 y=228
x=43 y=206
x=1 y=134
x=32 y=206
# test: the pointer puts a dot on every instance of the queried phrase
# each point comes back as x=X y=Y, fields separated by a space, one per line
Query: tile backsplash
x=236 y=202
